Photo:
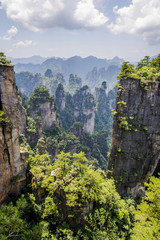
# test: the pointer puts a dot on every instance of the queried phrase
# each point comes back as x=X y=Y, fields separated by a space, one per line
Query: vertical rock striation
x=135 y=149
x=12 y=165
x=42 y=115
x=84 y=108
x=77 y=108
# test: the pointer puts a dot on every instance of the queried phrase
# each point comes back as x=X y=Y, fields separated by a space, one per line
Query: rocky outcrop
x=81 y=108
x=42 y=106
x=60 y=97
x=135 y=150
x=105 y=102
x=77 y=108
x=42 y=114
x=12 y=163
x=84 y=108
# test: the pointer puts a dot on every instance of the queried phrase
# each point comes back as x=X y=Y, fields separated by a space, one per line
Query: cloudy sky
x=129 y=29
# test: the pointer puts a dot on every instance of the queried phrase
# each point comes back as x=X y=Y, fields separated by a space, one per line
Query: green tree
x=79 y=199
x=144 y=62
x=12 y=224
x=156 y=62
x=145 y=70
x=3 y=59
x=147 y=215
x=126 y=70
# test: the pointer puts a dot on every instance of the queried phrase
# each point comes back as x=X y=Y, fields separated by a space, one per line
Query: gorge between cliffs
x=65 y=172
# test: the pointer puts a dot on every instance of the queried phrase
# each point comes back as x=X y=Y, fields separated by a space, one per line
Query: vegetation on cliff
x=105 y=103
x=146 y=69
x=3 y=59
x=3 y=118
x=68 y=196
x=147 y=215
x=69 y=200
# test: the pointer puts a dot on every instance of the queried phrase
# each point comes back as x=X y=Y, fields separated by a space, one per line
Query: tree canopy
x=146 y=69
x=3 y=59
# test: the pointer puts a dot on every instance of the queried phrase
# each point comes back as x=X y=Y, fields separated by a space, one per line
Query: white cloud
x=26 y=43
x=87 y=15
x=12 y=32
x=141 y=17
x=36 y=15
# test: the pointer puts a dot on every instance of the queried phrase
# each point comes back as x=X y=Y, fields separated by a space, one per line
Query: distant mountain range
x=76 y=65
x=33 y=60
x=91 y=70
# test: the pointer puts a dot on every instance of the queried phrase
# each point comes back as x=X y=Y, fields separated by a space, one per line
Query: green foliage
x=72 y=189
x=3 y=118
x=94 y=146
x=145 y=70
x=66 y=141
x=14 y=225
x=3 y=59
x=119 y=86
x=119 y=150
x=31 y=125
x=124 y=124
x=144 y=62
x=147 y=215
x=40 y=95
x=54 y=130
x=120 y=103
x=127 y=70
x=24 y=146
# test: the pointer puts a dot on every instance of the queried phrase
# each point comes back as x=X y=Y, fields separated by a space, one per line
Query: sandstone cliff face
x=12 y=165
x=42 y=115
x=47 y=114
x=135 y=150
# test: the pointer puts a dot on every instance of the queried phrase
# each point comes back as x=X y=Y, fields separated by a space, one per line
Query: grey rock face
x=60 y=97
x=135 y=150
x=84 y=108
x=12 y=166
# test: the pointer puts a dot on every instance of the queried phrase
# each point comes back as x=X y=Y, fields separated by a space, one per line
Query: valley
x=79 y=154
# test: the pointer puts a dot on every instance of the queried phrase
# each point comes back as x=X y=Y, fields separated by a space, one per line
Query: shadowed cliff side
x=135 y=149
x=12 y=162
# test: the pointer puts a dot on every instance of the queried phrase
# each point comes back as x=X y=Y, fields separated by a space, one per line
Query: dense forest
x=67 y=136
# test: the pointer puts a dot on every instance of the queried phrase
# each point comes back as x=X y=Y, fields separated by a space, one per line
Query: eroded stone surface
x=84 y=108
x=12 y=167
x=135 y=150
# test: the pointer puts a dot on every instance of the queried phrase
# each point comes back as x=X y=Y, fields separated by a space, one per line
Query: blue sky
x=129 y=29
